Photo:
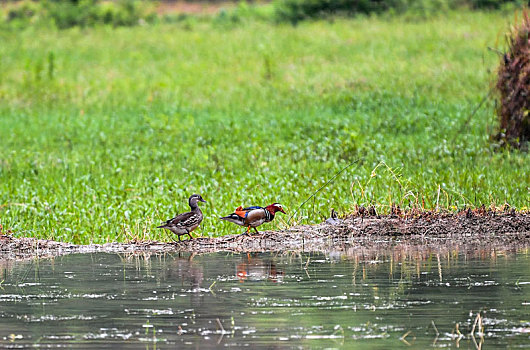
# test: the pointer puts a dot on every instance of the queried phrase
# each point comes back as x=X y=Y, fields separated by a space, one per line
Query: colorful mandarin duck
x=253 y=217
x=256 y=269
x=184 y=223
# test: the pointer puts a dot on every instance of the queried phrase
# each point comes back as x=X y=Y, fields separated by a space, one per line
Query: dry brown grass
x=514 y=86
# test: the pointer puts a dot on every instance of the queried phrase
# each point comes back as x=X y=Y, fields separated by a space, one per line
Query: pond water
x=376 y=300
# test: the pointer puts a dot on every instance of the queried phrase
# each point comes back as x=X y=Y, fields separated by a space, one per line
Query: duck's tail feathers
x=236 y=219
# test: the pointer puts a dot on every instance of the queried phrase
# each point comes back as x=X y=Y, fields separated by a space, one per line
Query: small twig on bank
x=437 y=333
x=439 y=268
x=404 y=336
x=222 y=331
x=211 y=286
x=438 y=199
x=220 y=325
x=435 y=328
x=474 y=324
x=478 y=322
x=460 y=335
x=497 y=51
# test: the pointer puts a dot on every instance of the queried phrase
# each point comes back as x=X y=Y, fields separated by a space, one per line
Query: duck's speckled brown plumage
x=185 y=223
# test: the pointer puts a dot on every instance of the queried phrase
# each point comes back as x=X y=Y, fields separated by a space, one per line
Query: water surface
x=388 y=299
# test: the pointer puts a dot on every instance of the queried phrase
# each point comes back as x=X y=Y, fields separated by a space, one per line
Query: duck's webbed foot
x=246 y=232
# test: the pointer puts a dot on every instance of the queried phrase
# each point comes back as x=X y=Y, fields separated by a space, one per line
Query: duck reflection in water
x=186 y=272
x=252 y=268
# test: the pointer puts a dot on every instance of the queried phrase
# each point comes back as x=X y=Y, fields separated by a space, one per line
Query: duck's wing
x=243 y=212
x=184 y=219
x=255 y=215
x=236 y=219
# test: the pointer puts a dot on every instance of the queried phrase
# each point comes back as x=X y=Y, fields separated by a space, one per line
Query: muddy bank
x=466 y=230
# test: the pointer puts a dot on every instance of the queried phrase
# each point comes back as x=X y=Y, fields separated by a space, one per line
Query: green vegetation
x=64 y=14
x=105 y=132
x=298 y=10
x=70 y=13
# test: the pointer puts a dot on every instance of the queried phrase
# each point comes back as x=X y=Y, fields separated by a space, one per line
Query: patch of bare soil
x=426 y=231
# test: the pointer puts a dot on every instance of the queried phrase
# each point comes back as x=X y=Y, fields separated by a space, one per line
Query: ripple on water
x=255 y=300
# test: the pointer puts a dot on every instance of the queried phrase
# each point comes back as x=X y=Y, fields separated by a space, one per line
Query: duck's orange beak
x=281 y=209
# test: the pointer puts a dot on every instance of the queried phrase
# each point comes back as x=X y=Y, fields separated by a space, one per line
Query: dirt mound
x=468 y=229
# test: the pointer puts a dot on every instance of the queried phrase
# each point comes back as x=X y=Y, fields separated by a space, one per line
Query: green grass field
x=106 y=132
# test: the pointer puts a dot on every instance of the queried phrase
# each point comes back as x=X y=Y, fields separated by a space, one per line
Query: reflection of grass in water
x=113 y=133
x=307 y=307
x=393 y=279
